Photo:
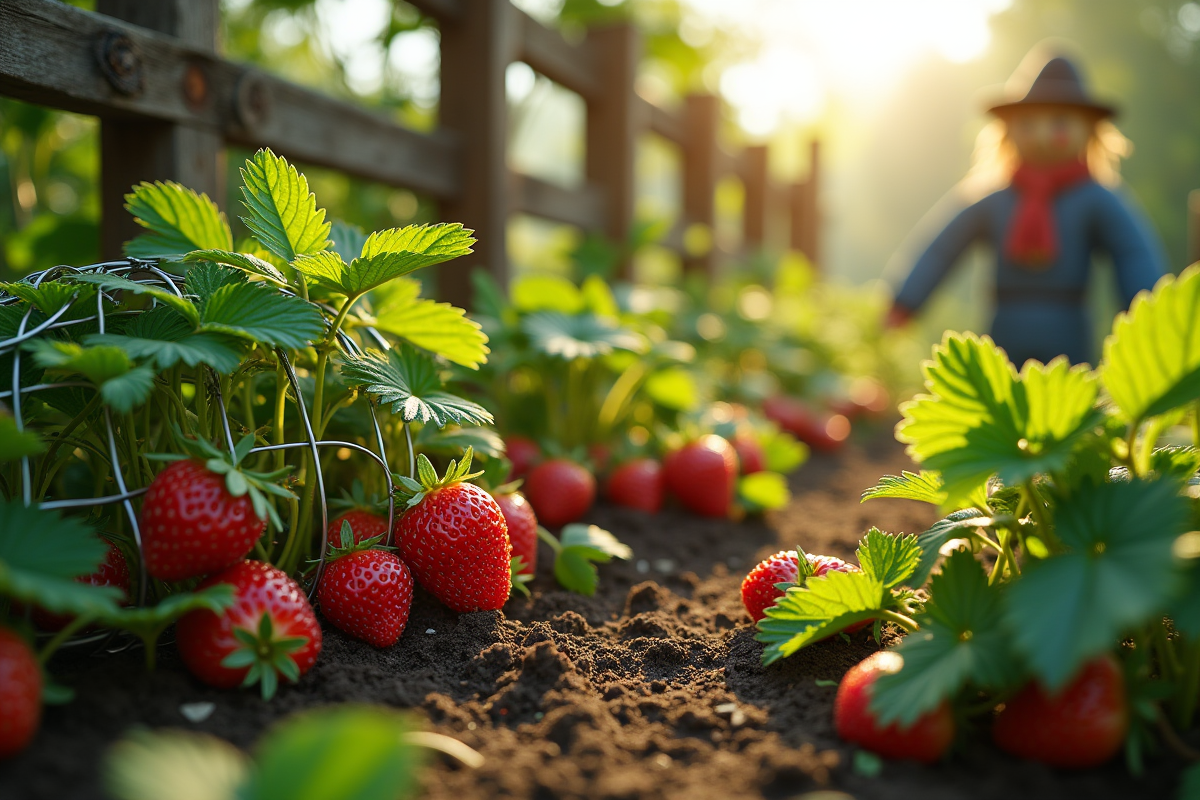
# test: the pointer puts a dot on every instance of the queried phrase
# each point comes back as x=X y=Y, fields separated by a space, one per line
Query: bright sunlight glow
x=855 y=50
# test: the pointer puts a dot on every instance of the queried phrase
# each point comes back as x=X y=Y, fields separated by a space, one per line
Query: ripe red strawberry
x=20 y=694
x=367 y=515
x=560 y=491
x=523 y=453
x=454 y=538
x=522 y=527
x=366 y=592
x=637 y=484
x=758 y=589
x=600 y=455
x=750 y=454
x=703 y=475
x=926 y=740
x=203 y=514
x=821 y=432
x=113 y=571
x=270 y=630
x=1083 y=725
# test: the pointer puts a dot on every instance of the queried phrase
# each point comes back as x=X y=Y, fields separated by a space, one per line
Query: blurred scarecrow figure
x=1057 y=155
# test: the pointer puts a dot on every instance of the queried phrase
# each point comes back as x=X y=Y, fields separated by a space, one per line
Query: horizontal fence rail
x=168 y=104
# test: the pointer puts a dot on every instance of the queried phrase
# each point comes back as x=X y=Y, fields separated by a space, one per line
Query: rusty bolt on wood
x=195 y=87
x=120 y=62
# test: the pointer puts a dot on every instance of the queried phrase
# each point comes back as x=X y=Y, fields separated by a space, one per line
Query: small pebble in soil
x=663 y=760
x=726 y=708
x=197 y=712
x=471 y=726
x=430 y=630
x=643 y=566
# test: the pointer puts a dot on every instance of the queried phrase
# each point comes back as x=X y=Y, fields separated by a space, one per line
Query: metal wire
x=148 y=273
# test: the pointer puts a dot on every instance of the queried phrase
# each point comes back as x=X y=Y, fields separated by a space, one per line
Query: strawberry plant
x=1067 y=557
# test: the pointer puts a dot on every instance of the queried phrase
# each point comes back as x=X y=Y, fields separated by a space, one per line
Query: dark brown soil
x=651 y=689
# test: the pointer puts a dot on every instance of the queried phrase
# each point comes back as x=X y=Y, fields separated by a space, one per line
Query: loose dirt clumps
x=652 y=689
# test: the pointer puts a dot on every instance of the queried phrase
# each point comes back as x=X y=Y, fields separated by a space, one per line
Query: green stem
x=997 y=572
x=1196 y=424
x=281 y=384
x=70 y=630
x=1168 y=661
x=1131 y=447
x=910 y=625
x=248 y=403
x=66 y=431
x=202 y=403
x=1189 y=689
x=1039 y=513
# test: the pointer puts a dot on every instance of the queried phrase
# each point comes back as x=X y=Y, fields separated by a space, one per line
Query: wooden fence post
x=476 y=51
x=613 y=128
x=756 y=183
x=132 y=151
x=806 y=210
x=700 y=154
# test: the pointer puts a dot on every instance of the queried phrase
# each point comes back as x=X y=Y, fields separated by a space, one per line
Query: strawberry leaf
x=49 y=297
x=980 y=418
x=763 y=491
x=1151 y=360
x=164 y=336
x=961 y=641
x=148 y=765
x=410 y=382
x=821 y=607
x=578 y=336
x=281 y=211
x=925 y=486
x=451 y=441
x=1117 y=573
x=578 y=550
x=260 y=314
x=346 y=239
x=534 y=293
x=246 y=262
x=440 y=328
x=126 y=392
x=41 y=554
x=891 y=560
x=783 y=452
x=931 y=541
x=164 y=296
x=148 y=623
x=16 y=444
x=179 y=221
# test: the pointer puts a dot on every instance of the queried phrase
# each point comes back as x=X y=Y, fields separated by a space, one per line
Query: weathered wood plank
x=701 y=161
x=666 y=124
x=553 y=56
x=757 y=185
x=439 y=9
x=47 y=56
x=582 y=207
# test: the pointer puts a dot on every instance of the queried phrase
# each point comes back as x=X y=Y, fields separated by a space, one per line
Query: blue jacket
x=1041 y=314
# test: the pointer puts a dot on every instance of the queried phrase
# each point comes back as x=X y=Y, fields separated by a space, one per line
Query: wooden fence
x=169 y=104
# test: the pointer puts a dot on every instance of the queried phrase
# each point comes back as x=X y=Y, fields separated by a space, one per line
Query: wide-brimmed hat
x=1058 y=82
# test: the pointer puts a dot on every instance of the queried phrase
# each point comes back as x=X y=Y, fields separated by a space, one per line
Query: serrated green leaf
x=96 y=363
x=891 y=560
x=440 y=328
x=409 y=381
x=1118 y=572
x=281 y=211
x=387 y=255
x=534 y=293
x=42 y=552
x=764 y=491
x=931 y=541
x=164 y=336
x=981 y=419
x=246 y=262
x=117 y=283
x=179 y=221
x=579 y=336
x=925 y=486
x=347 y=752
x=1151 y=360
x=452 y=441
x=1181 y=462
x=820 y=608
x=126 y=392
x=961 y=641
x=575 y=572
x=346 y=240
x=261 y=314
x=49 y=297
x=153 y=765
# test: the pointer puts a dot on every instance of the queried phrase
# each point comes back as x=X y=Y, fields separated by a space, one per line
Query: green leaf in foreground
x=925 y=486
x=246 y=262
x=1116 y=574
x=1152 y=357
x=154 y=765
x=167 y=338
x=178 y=220
x=440 y=328
x=578 y=550
x=820 y=608
x=359 y=752
x=41 y=554
x=764 y=491
x=15 y=444
x=261 y=314
x=50 y=296
x=961 y=640
x=164 y=296
x=891 y=560
x=981 y=419
x=148 y=623
x=281 y=211
x=954 y=526
x=409 y=381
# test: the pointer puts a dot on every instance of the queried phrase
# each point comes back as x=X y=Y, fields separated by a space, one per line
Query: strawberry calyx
x=804 y=571
x=267 y=656
x=347 y=545
x=238 y=481
x=413 y=492
x=357 y=499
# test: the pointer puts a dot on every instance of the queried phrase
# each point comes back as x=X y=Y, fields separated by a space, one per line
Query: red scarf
x=1032 y=239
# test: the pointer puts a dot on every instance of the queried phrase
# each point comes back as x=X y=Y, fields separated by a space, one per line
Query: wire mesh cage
x=70 y=318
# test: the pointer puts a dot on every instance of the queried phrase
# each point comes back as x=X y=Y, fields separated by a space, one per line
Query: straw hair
x=995 y=158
